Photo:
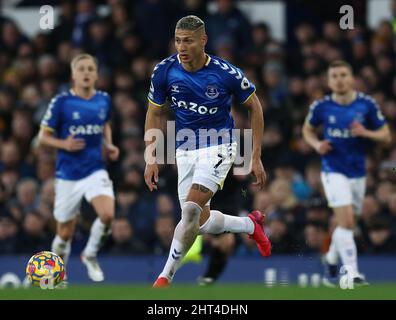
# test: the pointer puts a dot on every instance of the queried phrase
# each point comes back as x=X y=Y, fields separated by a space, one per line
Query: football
x=45 y=269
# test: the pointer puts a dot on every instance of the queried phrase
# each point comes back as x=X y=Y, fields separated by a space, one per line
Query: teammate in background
x=200 y=88
x=348 y=119
x=77 y=123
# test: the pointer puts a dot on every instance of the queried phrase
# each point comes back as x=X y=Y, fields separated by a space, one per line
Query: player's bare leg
x=196 y=220
x=61 y=245
x=100 y=230
x=342 y=242
x=186 y=231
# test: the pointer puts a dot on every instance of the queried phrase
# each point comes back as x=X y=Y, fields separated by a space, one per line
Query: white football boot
x=95 y=273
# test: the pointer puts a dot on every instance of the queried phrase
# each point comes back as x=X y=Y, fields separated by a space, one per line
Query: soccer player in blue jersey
x=77 y=124
x=348 y=119
x=199 y=88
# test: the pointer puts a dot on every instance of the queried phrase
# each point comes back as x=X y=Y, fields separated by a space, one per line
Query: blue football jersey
x=70 y=114
x=201 y=100
x=348 y=152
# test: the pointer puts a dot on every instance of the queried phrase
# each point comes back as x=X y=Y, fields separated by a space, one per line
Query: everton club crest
x=212 y=92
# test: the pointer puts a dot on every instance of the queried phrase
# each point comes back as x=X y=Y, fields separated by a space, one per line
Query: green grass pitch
x=192 y=292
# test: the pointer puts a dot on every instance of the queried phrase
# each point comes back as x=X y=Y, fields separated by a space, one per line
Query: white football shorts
x=206 y=166
x=341 y=190
x=70 y=193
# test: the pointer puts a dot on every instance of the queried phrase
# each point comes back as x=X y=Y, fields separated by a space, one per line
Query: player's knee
x=191 y=212
x=65 y=232
x=347 y=225
x=106 y=217
x=350 y=225
x=105 y=213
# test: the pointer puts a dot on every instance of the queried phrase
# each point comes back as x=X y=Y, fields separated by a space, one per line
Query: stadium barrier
x=277 y=270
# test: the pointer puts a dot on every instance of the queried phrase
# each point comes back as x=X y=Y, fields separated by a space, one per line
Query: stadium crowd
x=127 y=46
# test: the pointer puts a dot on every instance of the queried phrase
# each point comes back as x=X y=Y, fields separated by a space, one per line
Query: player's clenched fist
x=72 y=144
x=259 y=173
x=324 y=147
x=113 y=152
x=357 y=129
x=151 y=176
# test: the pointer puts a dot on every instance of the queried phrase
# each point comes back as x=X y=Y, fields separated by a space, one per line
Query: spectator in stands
x=86 y=13
x=261 y=36
x=123 y=241
x=99 y=40
x=282 y=195
x=314 y=237
x=33 y=236
x=46 y=199
x=8 y=236
x=10 y=157
x=164 y=226
x=23 y=132
x=121 y=22
x=391 y=212
x=281 y=239
x=137 y=207
x=263 y=201
x=4 y=211
x=317 y=210
x=7 y=103
x=274 y=79
x=64 y=25
x=165 y=205
x=11 y=38
x=381 y=239
x=384 y=190
x=153 y=31
x=228 y=26
x=26 y=199
x=9 y=179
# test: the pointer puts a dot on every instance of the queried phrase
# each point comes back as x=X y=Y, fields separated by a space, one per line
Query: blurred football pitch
x=193 y=292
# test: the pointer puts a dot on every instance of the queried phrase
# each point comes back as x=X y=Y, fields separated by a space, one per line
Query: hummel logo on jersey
x=175 y=89
x=76 y=116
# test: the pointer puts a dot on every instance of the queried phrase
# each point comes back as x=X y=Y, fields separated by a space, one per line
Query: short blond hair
x=340 y=63
x=191 y=23
x=83 y=56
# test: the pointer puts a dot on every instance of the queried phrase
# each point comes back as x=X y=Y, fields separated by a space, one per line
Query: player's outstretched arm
x=112 y=150
x=257 y=124
x=153 y=120
x=70 y=144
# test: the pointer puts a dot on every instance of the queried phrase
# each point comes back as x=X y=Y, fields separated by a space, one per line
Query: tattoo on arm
x=199 y=187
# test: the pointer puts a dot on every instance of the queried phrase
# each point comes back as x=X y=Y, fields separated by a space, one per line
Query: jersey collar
x=73 y=93
x=207 y=60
